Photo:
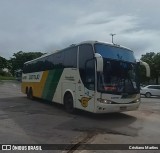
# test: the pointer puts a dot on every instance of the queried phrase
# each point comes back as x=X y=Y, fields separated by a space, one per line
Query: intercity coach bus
x=94 y=76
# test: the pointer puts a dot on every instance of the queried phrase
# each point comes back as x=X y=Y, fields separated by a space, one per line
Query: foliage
x=20 y=58
x=6 y=78
x=3 y=73
x=3 y=63
x=153 y=59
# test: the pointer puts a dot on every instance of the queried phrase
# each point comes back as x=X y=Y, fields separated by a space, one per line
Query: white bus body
x=93 y=76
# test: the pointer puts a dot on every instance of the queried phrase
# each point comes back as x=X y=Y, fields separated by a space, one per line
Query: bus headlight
x=104 y=101
x=137 y=100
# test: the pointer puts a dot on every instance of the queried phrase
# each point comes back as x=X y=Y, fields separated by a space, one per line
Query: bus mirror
x=99 y=60
x=146 y=66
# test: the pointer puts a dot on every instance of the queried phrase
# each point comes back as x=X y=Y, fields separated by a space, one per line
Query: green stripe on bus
x=51 y=84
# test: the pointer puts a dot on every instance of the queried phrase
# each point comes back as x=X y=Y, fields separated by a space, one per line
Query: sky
x=48 y=25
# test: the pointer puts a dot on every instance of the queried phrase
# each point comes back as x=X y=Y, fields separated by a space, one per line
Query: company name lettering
x=34 y=77
x=14 y=147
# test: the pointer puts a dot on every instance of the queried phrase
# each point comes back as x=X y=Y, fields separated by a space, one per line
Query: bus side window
x=25 y=68
x=58 y=60
x=51 y=62
x=70 y=59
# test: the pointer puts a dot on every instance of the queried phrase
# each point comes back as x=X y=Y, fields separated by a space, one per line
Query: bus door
x=86 y=87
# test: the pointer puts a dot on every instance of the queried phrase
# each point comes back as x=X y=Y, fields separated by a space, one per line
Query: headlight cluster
x=105 y=101
x=137 y=100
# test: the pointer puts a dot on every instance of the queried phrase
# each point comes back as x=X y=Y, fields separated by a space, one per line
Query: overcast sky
x=47 y=25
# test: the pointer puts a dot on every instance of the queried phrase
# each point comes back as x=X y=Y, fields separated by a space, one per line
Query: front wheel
x=148 y=95
x=68 y=103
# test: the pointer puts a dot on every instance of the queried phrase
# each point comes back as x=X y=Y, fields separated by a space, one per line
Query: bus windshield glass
x=119 y=72
x=113 y=52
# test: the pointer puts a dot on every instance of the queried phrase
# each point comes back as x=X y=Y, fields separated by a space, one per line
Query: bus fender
x=70 y=92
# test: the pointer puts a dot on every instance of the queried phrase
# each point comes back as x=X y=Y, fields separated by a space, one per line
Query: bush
x=3 y=73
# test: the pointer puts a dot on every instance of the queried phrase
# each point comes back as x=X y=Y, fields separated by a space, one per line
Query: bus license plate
x=123 y=108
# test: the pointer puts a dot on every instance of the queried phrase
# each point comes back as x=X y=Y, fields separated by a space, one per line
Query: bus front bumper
x=110 y=108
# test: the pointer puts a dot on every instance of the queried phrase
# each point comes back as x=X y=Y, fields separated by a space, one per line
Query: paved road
x=38 y=122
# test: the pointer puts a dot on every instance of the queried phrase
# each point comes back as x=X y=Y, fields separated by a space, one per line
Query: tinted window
x=150 y=87
x=65 y=58
x=51 y=61
x=116 y=53
x=156 y=87
x=153 y=87
x=39 y=65
x=90 y=74
x=58 y=60
x=70 y=57
x=85 y=54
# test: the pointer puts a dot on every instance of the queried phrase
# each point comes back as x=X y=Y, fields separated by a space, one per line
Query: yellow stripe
x=37 y=87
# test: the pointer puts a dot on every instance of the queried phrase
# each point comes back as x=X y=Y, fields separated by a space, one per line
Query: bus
x=93 y=76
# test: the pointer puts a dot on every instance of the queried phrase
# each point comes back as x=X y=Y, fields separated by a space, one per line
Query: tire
x=30 y=94
x=148 y=95
x=27 y=92
x=68 y=103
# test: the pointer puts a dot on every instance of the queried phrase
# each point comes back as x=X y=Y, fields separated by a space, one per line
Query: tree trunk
x=157 y=80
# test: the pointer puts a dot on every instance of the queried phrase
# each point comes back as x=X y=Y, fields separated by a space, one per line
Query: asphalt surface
x=23 y=121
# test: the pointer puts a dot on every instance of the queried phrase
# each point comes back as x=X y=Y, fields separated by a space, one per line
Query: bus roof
x=106 y=43
x=45 y=55
x=84 y=42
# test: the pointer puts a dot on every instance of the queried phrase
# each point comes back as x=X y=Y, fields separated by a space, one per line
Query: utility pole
x=112 y=34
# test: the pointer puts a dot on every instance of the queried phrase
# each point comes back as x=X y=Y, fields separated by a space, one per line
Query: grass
x=6 y=78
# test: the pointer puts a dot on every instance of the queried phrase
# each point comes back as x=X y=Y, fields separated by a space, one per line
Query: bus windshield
x=119 y=72
x=114 y=52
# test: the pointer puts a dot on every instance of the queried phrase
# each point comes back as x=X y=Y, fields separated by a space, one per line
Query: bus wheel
x=30 y=94
x=27 y=92
x=68 y=103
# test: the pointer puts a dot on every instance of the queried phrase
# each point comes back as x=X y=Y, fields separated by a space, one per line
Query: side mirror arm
x=146 y=66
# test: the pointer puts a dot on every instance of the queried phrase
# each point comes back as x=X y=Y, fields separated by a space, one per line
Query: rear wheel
x=148 y=95
x=30 y=94
x=68 y=103
x=27 y=92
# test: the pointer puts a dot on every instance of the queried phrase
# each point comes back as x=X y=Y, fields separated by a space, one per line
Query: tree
x=156 y=63
x=20 y=58
x=3 y=63
x=153 y=60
